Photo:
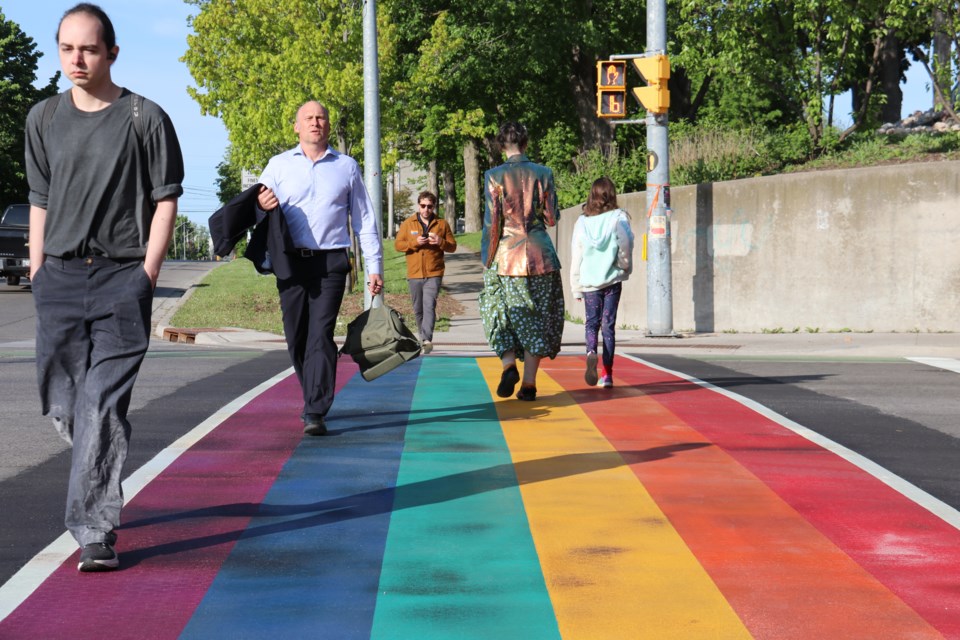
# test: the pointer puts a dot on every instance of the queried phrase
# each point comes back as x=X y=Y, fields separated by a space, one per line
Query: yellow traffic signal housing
x=612 y=89
x=655 y=97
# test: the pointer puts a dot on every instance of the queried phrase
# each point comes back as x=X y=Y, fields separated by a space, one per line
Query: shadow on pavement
x=409 y=496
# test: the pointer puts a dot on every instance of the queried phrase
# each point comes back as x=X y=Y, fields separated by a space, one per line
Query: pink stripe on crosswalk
x=177 y=531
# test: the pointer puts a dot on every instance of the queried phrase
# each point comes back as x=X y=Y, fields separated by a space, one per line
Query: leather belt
x=310 y=253
x=72 y=258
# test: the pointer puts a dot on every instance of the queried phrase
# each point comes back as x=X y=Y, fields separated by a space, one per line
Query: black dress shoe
x=527 y=393
x=508 y=380
x=314 y=426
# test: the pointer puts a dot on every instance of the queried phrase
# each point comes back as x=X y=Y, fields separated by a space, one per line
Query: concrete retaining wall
x=873 y=249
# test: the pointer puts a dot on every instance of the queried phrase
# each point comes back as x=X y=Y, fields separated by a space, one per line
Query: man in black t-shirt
x=105 y=172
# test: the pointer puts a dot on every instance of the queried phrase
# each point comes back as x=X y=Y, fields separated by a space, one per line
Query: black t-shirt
x=97 y=182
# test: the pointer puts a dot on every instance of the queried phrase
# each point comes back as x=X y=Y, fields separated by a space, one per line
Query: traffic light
x=655 y=97
x=612 y=89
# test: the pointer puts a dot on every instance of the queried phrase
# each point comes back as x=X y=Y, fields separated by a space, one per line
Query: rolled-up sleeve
x=38 y=169
x=165 y=161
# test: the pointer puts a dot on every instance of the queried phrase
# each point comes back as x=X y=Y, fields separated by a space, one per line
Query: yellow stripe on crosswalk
x=612 y=562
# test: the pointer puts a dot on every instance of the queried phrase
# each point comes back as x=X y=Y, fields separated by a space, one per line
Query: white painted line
x=932 y=504
x=25 y=581
x=950 y=364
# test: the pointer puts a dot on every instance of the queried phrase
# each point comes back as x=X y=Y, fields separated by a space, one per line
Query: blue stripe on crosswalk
x=309 y=563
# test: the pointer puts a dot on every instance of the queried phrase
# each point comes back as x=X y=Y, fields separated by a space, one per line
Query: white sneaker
x=426 y=347
x=590 y=375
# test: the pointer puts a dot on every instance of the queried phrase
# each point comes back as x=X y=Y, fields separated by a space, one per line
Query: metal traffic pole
x=659 y=277
x=653 y=65
x=371 y=130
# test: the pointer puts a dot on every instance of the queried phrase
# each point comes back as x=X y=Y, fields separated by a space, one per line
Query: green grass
x=235 y=295
x=470 y=240
x=877 y=149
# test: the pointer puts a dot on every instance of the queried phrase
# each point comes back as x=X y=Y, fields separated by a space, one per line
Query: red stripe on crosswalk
x=757 y=504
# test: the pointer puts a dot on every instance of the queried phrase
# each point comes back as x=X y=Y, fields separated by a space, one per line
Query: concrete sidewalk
x=464 y=280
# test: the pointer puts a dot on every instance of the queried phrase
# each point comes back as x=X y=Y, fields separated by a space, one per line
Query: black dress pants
x=310 y=301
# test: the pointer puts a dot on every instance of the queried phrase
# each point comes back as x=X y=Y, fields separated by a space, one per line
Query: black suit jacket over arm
x=270 y=246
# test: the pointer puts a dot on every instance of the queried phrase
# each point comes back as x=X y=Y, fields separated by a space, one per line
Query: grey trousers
x=93 y=329
x=424 y=292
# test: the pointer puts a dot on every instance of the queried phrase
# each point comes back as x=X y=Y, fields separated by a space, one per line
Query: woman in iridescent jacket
x=522 y=299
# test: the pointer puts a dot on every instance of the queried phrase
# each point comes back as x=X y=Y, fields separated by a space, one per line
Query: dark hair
x=106 y=27
x=602 y=198
x=428 y=195
x=512 y=133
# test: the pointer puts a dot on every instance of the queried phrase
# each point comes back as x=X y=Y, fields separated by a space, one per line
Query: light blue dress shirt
x=318 y=197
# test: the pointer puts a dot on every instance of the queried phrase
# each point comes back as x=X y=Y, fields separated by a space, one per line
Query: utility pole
x=391 y=214
x=371 y=130
x=659 y=275
x=654 y=66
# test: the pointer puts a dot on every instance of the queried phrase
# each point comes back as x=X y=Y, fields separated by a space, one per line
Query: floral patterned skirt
x=523 y=314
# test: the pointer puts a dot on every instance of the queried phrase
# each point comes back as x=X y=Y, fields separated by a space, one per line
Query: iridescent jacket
x=520 y=203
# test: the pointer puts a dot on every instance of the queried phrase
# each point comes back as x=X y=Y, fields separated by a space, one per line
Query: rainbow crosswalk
x=657 y=509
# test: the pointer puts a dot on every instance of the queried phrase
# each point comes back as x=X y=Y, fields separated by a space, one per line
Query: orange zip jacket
x=424 y=261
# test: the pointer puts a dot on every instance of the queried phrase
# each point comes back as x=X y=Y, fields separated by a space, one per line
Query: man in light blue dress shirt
x=318 y=190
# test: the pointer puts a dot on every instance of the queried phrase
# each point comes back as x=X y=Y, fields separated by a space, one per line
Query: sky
x=152 y=36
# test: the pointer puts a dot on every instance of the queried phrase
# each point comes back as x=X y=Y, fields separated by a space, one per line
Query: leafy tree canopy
x=18 y=72
x=257 y=61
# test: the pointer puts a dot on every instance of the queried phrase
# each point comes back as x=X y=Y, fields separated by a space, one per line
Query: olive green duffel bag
x=379 y=342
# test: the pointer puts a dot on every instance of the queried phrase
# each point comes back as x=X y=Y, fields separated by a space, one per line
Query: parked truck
x=14 y=235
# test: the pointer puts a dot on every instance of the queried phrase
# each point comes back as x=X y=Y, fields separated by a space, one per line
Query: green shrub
x=714 y=153
x=628 y=172
x=558 y=147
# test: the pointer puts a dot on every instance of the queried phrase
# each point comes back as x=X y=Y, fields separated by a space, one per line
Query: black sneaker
x=314 y=426
x=508 y=380
x=98 y=556
x=527 y=393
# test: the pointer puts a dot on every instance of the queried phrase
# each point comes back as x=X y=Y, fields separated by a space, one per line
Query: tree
x=778 y=62
x=189 y=242
x=938 y=21
x=228 y=182
x=463 y=69
x=256 y=61
x=589 y=31
x=18 y=72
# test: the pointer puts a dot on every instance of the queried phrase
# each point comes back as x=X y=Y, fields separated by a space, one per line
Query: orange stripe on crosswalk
x=613 y=564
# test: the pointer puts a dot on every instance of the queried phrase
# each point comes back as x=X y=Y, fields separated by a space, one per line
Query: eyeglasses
x=427 y=206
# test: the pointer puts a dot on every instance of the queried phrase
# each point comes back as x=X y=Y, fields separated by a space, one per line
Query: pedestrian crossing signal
x=612 y=89
x=612 y=74
x=611 y=104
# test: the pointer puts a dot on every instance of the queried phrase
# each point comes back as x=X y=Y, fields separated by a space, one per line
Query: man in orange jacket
x=424 y=238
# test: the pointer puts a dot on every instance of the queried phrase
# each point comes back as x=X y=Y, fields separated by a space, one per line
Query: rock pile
x=922 y=122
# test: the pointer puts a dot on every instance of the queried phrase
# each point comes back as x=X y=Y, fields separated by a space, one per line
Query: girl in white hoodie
x=602 y=258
